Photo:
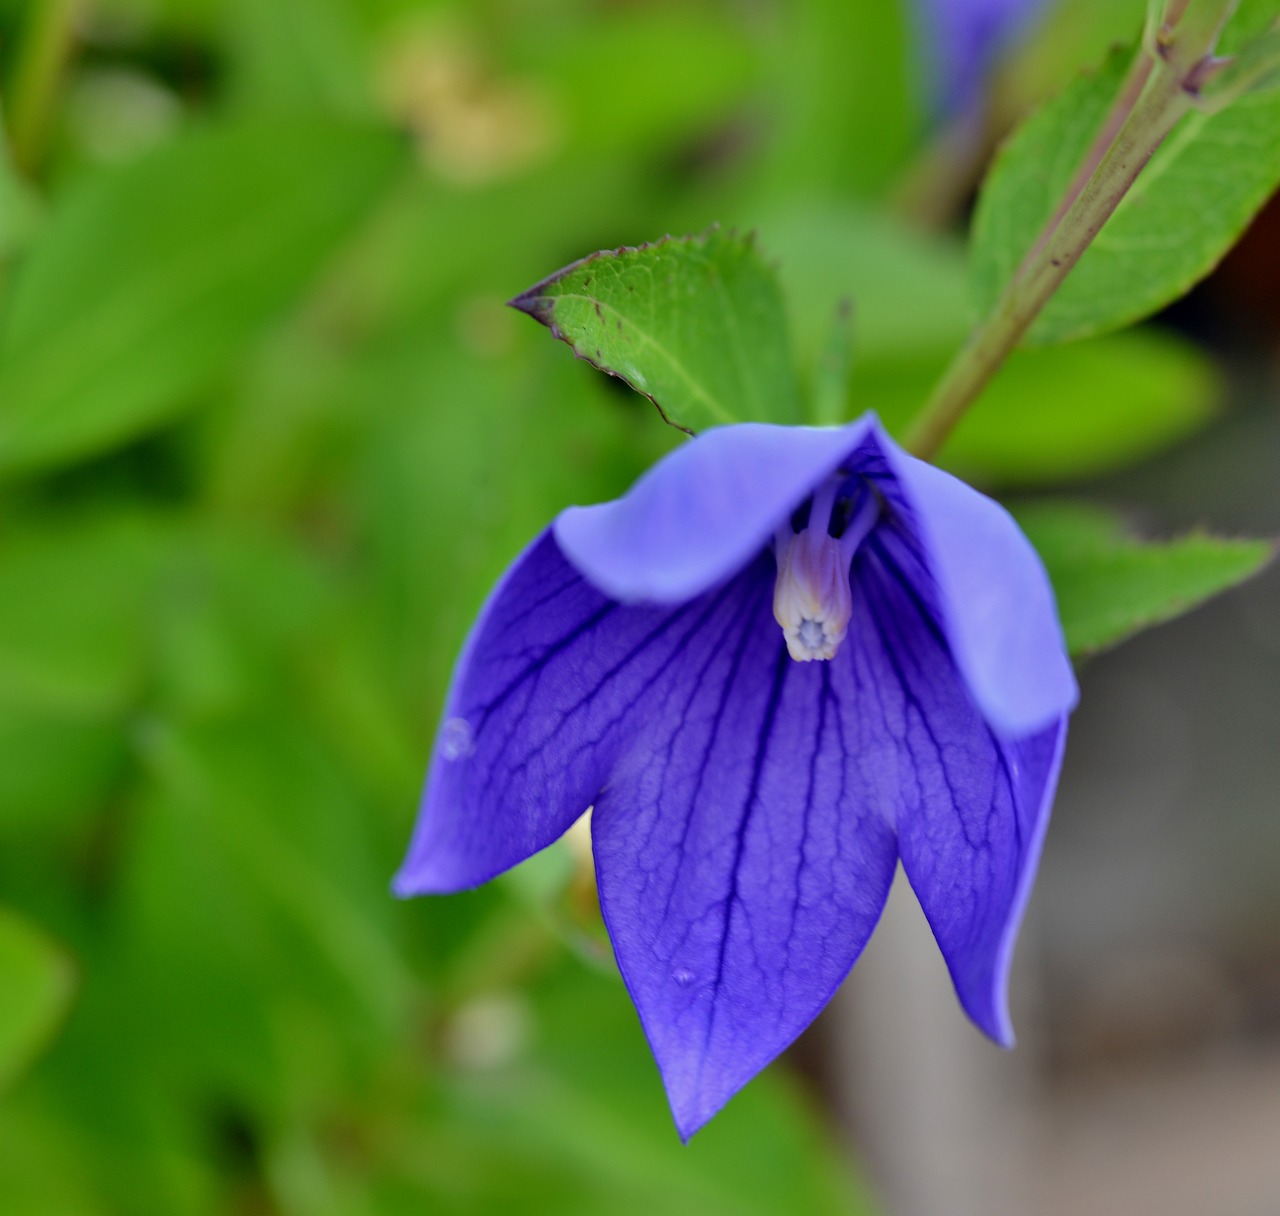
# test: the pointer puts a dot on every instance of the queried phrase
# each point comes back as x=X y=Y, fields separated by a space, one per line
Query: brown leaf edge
x=536 y=303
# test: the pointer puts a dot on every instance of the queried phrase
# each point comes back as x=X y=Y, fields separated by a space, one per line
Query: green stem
x=1151 y=101
x=46 y=47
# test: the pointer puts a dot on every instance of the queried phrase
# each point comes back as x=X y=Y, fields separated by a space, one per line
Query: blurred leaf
x=695 y=323
x=99 y=1126
x=476 y=485
x=587 y=1100
x=908 y=288
x=447 y=246
x=429 y=277
x=36 y=983
x=146 y=281
x=269 y=815
x=297 y=56
x=75 y=611
x=1059 y=41
x=55 y=768
x=605 y=75
x=846 y=110
x=1186 y=209
x=1053 y=414
x=43 y=1161
x=1110 y=585
x=20 y=209
x=239 y=608
x=1048 y=415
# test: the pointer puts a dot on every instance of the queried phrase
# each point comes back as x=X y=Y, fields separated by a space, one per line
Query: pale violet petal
x=992 y=595
x=702 y=512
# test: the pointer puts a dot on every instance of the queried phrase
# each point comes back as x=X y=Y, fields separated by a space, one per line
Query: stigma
x=812 y=599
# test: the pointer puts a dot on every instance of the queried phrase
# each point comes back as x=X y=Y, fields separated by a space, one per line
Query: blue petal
x=545 y=699
x=971 y=808
x=989 y=591
x=963 y=39
x=743 y=851
x=704 y=511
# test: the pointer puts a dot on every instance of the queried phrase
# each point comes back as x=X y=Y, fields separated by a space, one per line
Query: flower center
x=812 y=600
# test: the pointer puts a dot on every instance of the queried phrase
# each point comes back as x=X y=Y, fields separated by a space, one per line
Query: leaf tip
x=534 y=302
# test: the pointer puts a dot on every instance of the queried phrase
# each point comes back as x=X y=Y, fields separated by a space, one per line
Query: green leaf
x=1049 y=415
x=20 y=210
x=148 y=280
x=1054 y=414
x=846 y=110
x=56 y=770
x=907 y=287
x=36 y=983
x=601 y=72
x=1063 y=37
x=1110 y=585
x=253 y=813
x=75 y=612
x=297 y=55
x=590 y=1097
x=696 y=324
x=428 y=583
x=1184 y=212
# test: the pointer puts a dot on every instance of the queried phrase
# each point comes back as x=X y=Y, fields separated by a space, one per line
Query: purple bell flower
x=787 y=659
x=962 y=40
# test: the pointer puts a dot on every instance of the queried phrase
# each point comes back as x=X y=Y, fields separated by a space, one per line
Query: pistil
x=812 y=600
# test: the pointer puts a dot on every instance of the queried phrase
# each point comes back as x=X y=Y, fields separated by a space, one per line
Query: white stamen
x=812 y=600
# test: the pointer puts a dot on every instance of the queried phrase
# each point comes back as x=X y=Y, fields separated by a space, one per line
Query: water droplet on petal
x=457 y=739
x=683 y=976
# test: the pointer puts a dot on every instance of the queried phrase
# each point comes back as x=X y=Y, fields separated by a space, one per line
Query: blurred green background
x=268 y=434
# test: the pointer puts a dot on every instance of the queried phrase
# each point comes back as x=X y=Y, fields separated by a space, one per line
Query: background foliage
x=268 y=434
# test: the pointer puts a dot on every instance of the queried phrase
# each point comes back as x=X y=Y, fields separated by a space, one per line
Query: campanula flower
x=786 y=660
x=962 y=40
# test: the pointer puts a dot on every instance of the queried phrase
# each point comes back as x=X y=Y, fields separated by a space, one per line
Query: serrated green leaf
x=36 y=983
x=1110 y=585
x=695 y=323
x=149 y=279
x=1183 y=213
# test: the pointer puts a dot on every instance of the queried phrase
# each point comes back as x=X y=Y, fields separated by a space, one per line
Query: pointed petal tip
x=689 y=1126
x=1000 y=1029
x=437 y=872
x=447 y=875
x=990 y=1017
x=409 y=882
x=691 y=1111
